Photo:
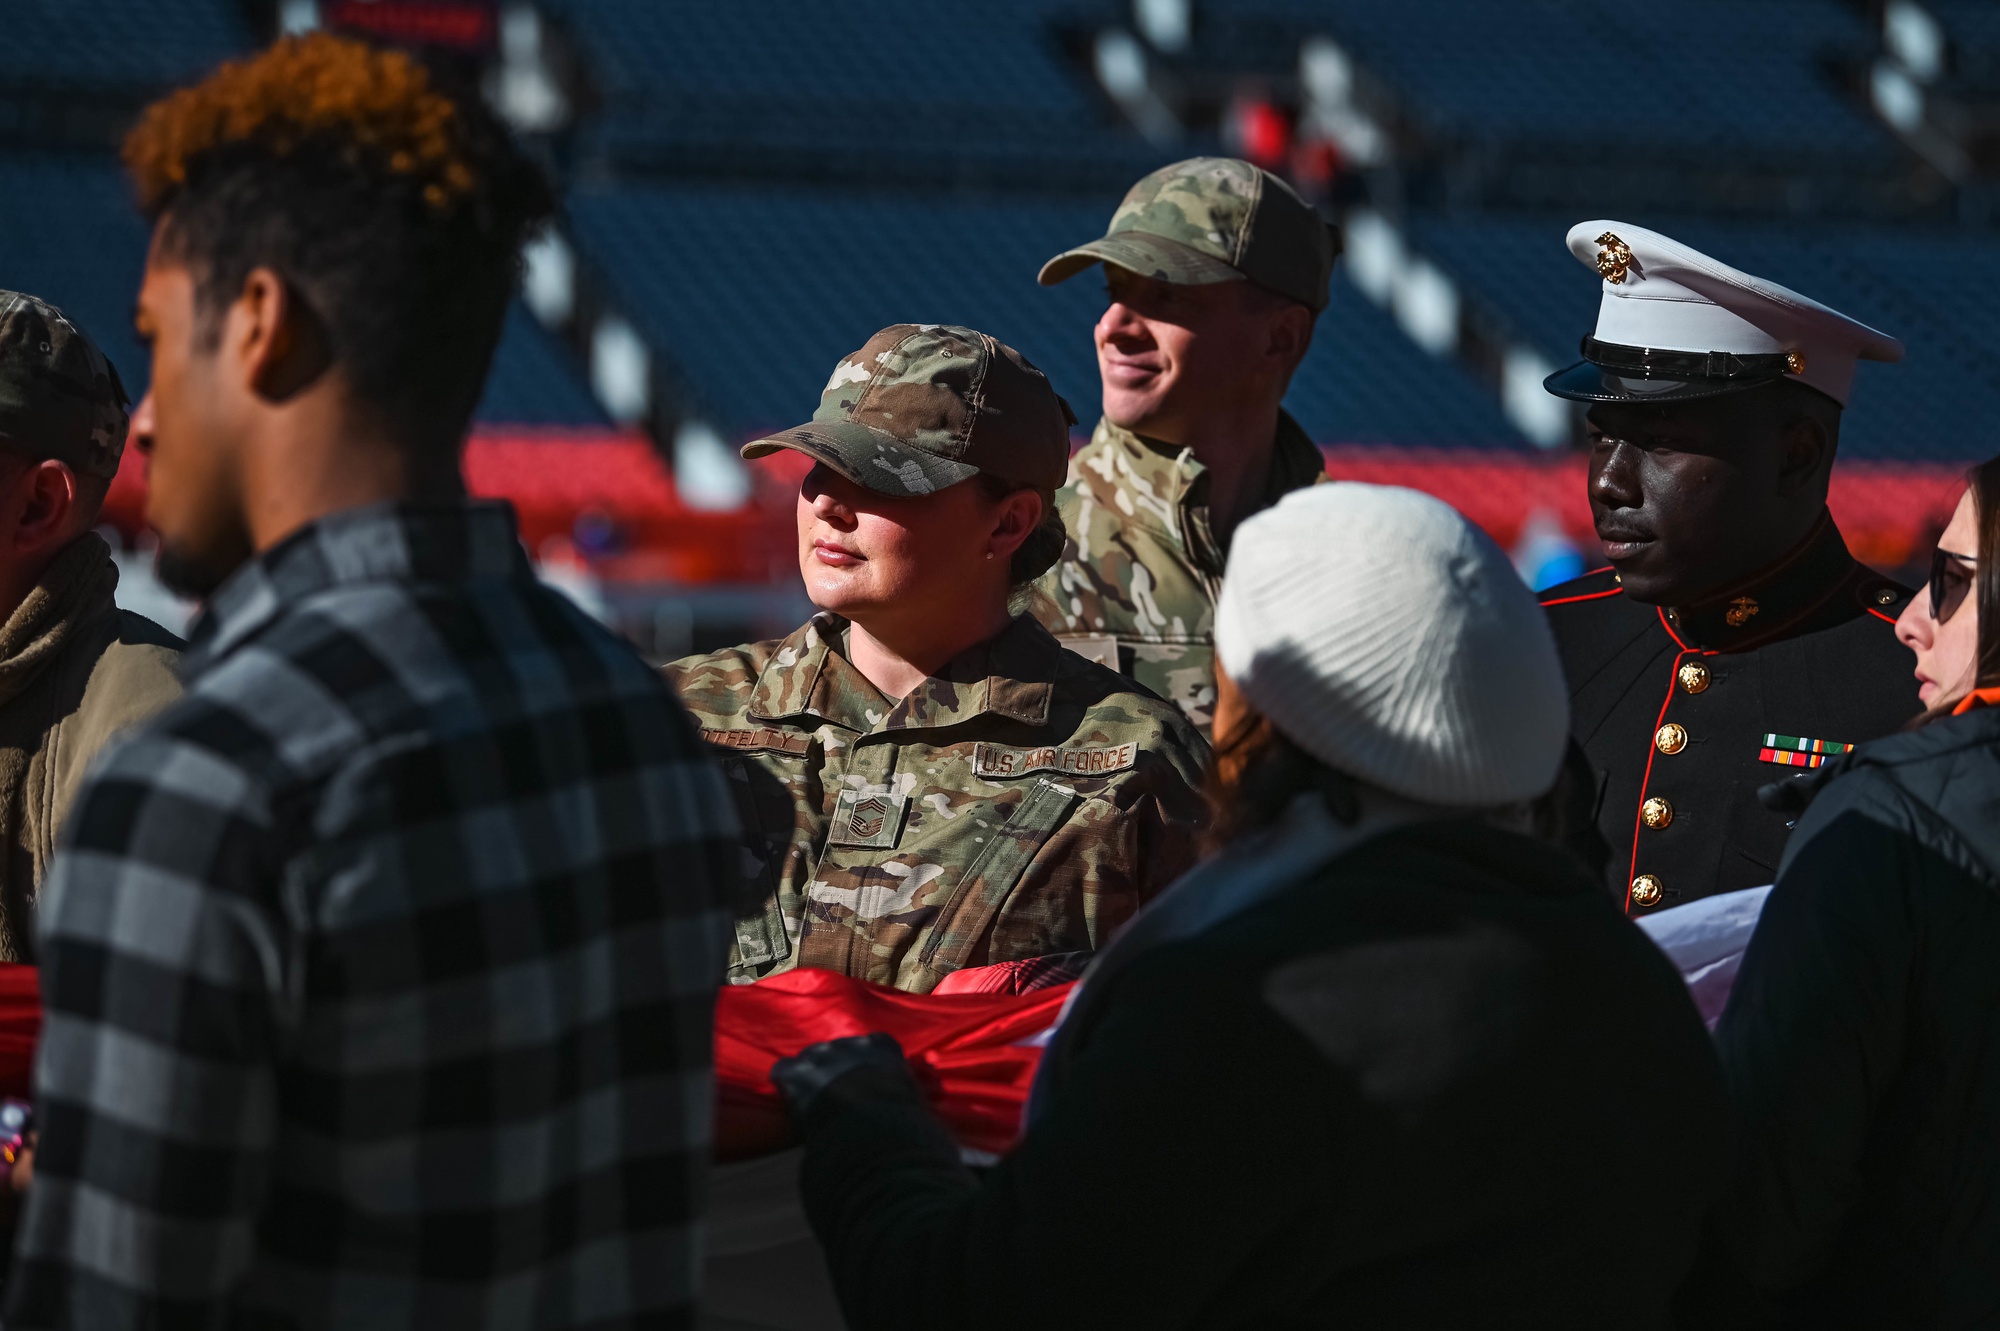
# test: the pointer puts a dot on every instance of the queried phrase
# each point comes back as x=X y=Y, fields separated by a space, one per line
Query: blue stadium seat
x=1931 y=289
x=1973 y=23
x=755 y=292
x=1691 y=74
x=981 y=82
x=69 y=234
x=116 y=44
x=535 y=379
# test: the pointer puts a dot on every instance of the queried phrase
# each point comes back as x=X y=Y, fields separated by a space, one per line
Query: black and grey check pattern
x=379 y=970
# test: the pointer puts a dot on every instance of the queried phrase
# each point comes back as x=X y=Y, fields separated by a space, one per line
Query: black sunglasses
x=1950 y=580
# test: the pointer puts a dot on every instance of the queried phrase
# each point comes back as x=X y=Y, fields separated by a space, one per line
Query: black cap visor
x=1613 y=373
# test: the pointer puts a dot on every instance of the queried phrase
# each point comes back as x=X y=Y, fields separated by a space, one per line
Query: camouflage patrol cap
x=1214 y=219
x=924 y=406
x=60 y=398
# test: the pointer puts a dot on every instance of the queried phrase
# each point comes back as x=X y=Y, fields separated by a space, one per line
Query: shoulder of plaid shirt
x=379 y=969
x=1815 y=658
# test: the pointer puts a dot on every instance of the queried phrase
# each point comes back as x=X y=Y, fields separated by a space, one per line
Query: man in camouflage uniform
x=1216 y=271
x=1019 y=801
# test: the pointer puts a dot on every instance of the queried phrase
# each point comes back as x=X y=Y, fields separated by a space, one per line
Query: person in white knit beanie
x=1390 y=639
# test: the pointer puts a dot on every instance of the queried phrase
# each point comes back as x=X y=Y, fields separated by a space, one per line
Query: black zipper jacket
x=1862 y=1047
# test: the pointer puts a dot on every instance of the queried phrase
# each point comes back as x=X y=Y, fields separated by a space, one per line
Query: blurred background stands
x=751 y=190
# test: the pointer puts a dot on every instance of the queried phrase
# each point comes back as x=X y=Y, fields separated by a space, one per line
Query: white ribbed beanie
x=1388 y=637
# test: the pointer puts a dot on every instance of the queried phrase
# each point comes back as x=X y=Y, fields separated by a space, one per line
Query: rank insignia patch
x=868 y=820
x=1795 y=751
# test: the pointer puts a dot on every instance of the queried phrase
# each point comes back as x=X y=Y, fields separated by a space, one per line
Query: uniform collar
x=1165 y=479
x=1011 y=674
x=1771 y=603
x=377 y=543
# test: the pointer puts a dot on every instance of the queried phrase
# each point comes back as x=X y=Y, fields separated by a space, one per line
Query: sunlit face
x=1947 y=651
x=1169 y=355
x=182 y=428
x=1684 y=497
x=877 y=559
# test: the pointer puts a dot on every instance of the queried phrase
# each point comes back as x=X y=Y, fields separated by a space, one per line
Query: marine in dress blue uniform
x=1686 y=705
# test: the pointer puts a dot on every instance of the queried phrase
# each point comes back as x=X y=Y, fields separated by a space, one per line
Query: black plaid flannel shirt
x=379 y=970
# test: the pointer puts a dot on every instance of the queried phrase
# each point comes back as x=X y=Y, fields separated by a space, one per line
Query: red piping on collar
x=1587 y=596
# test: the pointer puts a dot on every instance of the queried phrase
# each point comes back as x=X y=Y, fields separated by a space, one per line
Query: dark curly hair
x=394 y=210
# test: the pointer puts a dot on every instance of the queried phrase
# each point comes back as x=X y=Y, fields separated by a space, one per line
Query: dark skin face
x=1693 y=498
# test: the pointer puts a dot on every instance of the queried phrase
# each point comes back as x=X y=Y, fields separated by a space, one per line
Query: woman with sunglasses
x=1862 y=1042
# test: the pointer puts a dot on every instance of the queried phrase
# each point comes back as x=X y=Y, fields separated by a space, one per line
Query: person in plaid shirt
x=379 y=969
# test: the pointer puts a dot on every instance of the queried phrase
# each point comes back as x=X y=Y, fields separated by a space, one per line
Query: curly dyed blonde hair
x=379 y=106
x=395 y=208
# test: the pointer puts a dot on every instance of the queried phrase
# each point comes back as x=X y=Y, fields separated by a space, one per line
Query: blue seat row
x=755 y=291
x=980 y=81
x=69 y=234
x=116 y=44
x=1685 y=75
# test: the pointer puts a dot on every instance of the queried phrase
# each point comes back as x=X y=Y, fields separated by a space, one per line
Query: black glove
x=822 y=1077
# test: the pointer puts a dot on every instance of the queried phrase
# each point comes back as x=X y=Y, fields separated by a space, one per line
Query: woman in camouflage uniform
x=928 y=781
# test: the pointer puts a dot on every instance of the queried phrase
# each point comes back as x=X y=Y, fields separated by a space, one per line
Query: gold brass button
x=1671 y=738
x=1656 y=813
x=1694 y=676
x=1647 y=891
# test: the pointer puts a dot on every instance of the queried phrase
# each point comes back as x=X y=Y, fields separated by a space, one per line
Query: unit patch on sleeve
x=991 y=760
x=1795 y=751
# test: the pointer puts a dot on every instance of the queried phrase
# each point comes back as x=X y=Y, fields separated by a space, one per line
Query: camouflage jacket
x=1142 y=565
x=1023 y=802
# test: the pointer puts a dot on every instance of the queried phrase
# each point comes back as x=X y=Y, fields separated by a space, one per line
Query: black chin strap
x=1649 y=363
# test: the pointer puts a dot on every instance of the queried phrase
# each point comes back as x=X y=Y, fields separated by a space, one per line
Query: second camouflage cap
x=60 y=398
x=924 y=406
x=1214 y=219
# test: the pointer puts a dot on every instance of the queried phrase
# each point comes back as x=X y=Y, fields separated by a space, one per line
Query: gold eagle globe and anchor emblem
x=1614 y=258
x=1741 y=611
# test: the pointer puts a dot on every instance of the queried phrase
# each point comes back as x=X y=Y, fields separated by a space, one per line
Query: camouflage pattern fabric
x=1142 y=566
x=1213 y=219
x=60 y=398
x=925 y=406
x=1022 y=803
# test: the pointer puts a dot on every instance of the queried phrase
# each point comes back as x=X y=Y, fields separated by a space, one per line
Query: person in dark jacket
x=1385 y=1060
x=1862 y=1040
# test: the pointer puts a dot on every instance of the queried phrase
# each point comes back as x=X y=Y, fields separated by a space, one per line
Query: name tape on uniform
x=758 y=739
x=991 y=760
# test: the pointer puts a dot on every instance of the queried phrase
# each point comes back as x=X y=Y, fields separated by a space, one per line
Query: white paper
x=1706 y=939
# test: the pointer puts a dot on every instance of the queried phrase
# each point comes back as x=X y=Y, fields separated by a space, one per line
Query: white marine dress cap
x=1675 y=324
